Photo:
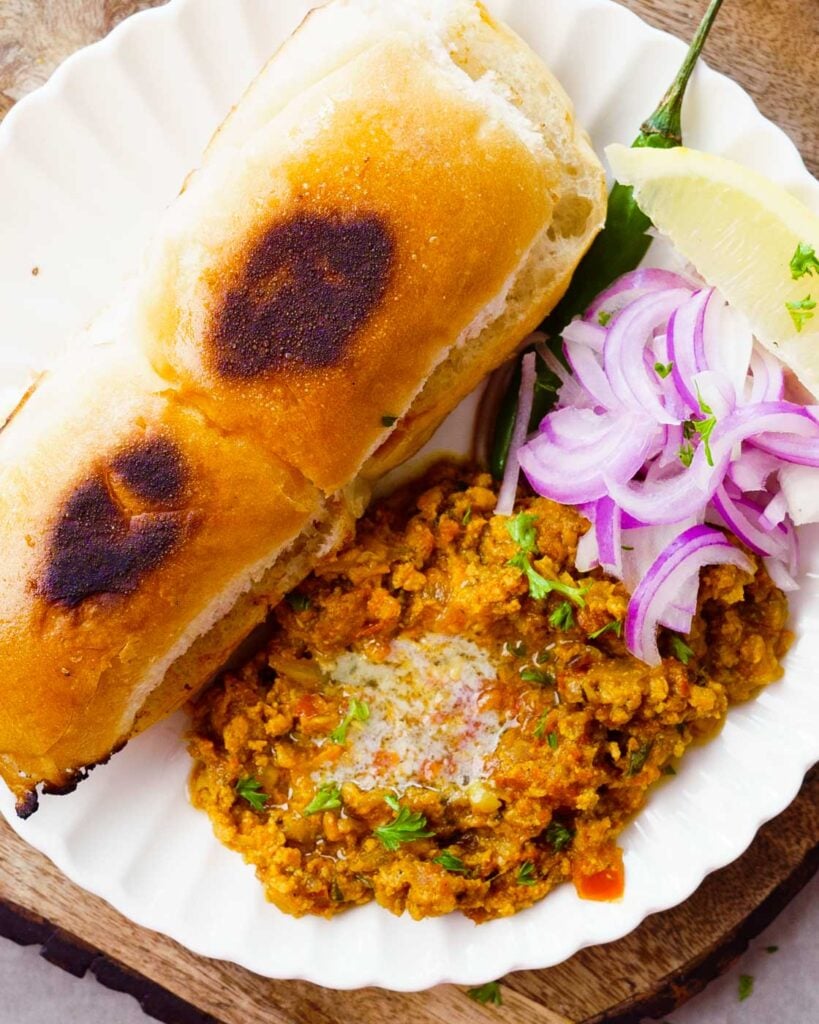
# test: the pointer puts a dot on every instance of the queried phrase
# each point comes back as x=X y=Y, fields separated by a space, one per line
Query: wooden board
x=772 y=48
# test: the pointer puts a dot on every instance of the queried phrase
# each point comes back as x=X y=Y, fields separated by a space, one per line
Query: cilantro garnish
x=615 y=627
x=637 y=759
x=801 y=312
x=558 y=836
x=682 y=652
x=250 y=789
x=604 y=318
x=804 y=261
x=746 y=986
x=663 y=369
x=357 y=711
x=553 y=740
x=488 y=993
x=540 y=728
x=705 y=428
x=406 y=827
x=535 y=675
x=451 y=863
x=467 y=519
x=526 y=874
x=298 y=602
x=327 y=798
x=686 y=454
x=522 y=531
x=562 y=617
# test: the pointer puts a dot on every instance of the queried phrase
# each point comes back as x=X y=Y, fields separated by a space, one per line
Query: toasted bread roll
x=400 y=197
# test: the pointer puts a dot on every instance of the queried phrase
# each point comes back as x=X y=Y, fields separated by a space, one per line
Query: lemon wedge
x=741 y=232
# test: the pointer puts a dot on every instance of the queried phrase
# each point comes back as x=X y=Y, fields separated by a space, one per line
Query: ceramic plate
x=87 y=165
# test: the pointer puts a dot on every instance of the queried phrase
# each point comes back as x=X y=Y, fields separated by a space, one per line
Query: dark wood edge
x=77 y=958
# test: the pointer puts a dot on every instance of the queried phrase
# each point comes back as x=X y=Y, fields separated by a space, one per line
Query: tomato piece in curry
x=422 y=732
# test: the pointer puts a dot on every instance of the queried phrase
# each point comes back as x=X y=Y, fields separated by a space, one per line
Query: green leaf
x=746 y=986
x=604 y=318
x=521 y=528
x=562 y=617
x=801 y=312
x=488 y=993
x=682 y=652
x=558 y=836
x=536 y=675
x=610 y=627
x=357 y=711
x=405 y=828
x=686 y=454
x=540 y=728
x=467 y=519
x=251 y=790
x=637 y=759
x=298 y=602
x=388 y=421
x=553 y=740
x=526 y=874
x=327 y=798
x=663 y=369
x=451 y=863
x=804 y=261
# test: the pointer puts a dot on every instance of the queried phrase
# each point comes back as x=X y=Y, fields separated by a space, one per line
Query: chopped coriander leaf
x=327 y=798
x=804 y=261
x=451 y=863
x=553 y=740
x=535 y=675
x=406 y=827
x=604 y=318
x=250 y=789
x=801 y=312
x=705 y=408
x=488 y=993
x=540 y=728
x=467 y=518
x=519 y=649
x=682 y=652
x=689 y=429
x=686 y=454
x=526 y=874
x=558 y=836
x=746 y=986
x=772 y=949
x=669 y=769
x=615 y=627
x=522 y=531
x=705 y=428
x=562 y=617
x=357 y=711
x=637 y=759
x=663 y=369
x=388 y=421
x=626 y=547
x=298 y=602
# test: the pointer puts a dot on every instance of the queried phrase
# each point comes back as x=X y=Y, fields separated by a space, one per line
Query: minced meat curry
x=424 y=732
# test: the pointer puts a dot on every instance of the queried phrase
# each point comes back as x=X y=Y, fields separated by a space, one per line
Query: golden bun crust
x=126 y=517
x=399 y=198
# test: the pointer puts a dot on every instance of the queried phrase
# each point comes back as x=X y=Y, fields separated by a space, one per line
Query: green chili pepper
x=618 y=248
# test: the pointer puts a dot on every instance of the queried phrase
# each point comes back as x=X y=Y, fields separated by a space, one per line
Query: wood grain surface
x=772 y=48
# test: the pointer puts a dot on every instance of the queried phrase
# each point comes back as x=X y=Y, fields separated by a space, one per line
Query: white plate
x=86 y=166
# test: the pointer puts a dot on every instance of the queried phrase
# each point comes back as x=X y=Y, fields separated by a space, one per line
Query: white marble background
x=785 y=987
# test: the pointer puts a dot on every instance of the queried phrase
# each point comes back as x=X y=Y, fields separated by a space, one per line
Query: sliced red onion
x=581 y=333
x=686 y=348
x=678 y=619
x=728 y=343
x=780 y=575
x=607 y=527
x=714 y=391
x=768 y=382
x=742 y=517
x=677 y=497
x=572 y=476
x=775 y=512
x=752 y=470
x=511 y=474
x=571 y=393
x=624 y=348
x=587 y=557
x=804 y=451
x=690 y=552
x=590 y=374
x=631 y=286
